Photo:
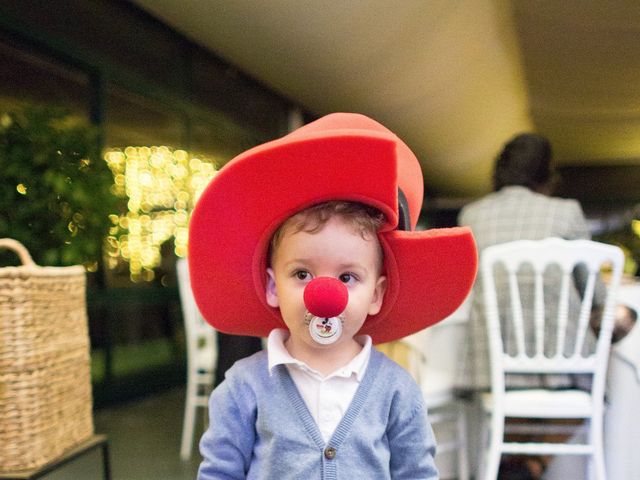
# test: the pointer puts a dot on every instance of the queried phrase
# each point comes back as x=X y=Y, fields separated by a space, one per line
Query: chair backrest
x=200 y=336
x=527 y=334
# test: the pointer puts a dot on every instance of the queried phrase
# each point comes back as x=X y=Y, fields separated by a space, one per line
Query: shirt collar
x=277 y=354
x=515 y=188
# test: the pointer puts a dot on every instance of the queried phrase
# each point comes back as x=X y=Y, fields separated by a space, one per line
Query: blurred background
x=115 y=114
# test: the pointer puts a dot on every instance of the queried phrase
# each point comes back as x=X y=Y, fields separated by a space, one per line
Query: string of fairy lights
x=161 y=186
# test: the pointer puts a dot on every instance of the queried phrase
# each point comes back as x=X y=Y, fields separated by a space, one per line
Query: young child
x=310 y=240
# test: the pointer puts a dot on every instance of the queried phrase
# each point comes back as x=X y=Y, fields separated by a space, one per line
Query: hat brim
x=429 y=272
x=429 y=275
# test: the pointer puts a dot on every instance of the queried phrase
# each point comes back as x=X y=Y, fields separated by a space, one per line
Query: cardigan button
x=329 y=453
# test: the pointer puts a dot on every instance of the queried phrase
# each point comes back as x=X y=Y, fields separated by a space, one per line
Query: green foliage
x=629 y=241
x=55 y=196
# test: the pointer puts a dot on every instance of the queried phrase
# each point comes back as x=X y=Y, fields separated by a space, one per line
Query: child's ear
x=378 y=295
x=270 y=291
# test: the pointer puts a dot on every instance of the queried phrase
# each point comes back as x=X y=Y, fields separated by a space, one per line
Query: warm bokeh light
x=162 y=186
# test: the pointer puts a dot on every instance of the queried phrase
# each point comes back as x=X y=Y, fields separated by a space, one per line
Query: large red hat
x=342 y=156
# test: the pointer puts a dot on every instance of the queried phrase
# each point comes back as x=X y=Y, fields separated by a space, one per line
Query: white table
x=622 y=418
x=622 y=415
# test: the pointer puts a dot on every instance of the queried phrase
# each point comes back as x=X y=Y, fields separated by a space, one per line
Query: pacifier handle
x=326 y=297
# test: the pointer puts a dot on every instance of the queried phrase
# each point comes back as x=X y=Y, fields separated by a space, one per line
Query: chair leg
x=597 y=468
x=493 y=454
x=188 y=426
x=463 y=460
x=106 y=463
x=484 y=443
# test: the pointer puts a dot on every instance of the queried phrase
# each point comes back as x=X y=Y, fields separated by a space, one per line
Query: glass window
x=133 y=120
x=27 y=77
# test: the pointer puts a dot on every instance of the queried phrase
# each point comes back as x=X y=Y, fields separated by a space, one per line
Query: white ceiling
x=453 y=78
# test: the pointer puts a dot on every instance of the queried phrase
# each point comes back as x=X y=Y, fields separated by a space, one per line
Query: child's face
x=335 y=251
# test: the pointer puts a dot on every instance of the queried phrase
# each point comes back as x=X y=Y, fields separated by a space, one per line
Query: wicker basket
x=45 y=385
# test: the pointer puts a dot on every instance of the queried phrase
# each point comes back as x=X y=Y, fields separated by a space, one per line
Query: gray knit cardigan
x=260 y=428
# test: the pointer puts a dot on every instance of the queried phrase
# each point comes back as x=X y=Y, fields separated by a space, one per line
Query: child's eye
x=302 y=275
x=347 y=278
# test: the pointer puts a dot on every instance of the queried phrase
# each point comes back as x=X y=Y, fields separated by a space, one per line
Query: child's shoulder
x=388 y=368
x=247 y=368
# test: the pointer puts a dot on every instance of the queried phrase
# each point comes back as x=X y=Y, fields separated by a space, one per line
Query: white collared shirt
x=327 y=398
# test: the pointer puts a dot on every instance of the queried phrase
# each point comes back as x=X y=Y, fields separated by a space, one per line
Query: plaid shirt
x=514 y=213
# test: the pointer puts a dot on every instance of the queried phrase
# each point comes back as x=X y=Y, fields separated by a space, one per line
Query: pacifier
x=325 y=299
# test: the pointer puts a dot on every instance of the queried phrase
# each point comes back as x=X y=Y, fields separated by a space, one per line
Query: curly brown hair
x=365 y=220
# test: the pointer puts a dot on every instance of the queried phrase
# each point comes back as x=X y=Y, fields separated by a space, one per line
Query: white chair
x=547 y=343
x=433 y=357
x=202 y=354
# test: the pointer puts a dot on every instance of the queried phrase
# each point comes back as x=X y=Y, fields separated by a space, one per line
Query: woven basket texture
x=45 y=385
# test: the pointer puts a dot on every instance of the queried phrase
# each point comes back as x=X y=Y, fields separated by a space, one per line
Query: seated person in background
x=625 y=320
x=310 y=240
x=520 y=208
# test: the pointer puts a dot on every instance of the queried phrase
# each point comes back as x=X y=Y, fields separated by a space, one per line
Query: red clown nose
x=325 y=297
